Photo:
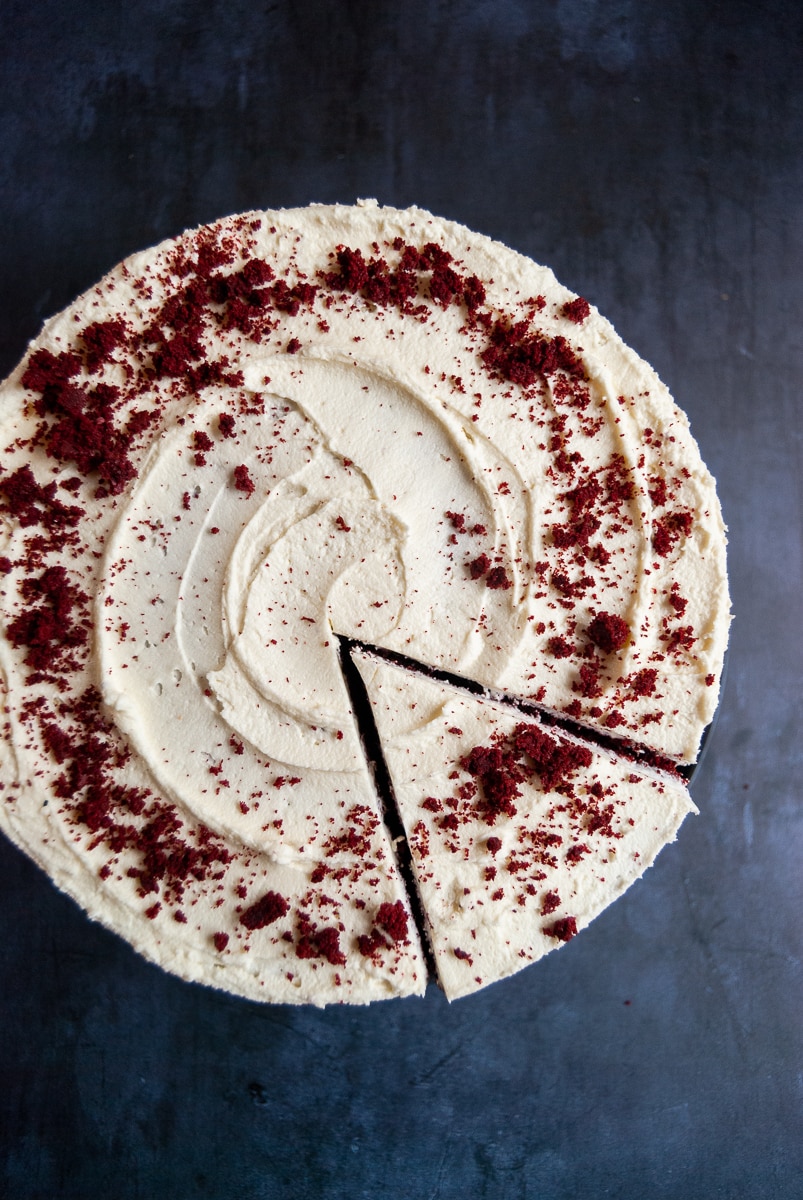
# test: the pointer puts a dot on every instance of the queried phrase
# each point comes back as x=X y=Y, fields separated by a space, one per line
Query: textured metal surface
x=651 y=154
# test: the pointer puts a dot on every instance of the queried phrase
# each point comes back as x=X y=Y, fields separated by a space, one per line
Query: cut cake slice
x=520 y=834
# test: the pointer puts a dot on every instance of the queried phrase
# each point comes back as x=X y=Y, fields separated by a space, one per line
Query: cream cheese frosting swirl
x=277 y=432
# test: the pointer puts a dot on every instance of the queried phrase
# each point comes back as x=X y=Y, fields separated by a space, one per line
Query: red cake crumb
x=499 y=775
x=353 y=270
x=369 y=945
x=609 y=632
x=269 y=908
x=682 y=638
x=329 y=947
x=588 y=683
x=520 y=354
x=318 y=943
x=444 y=285
x=101 y=339
x=677 y=602
x=497 y=578
x=393 y=919
x=242 y=479
x=559 y=647
x=47 y=371
x=553 y=761
x=667 y=532
x=479 y=566
x=576 y=310
x=643 y=682
x=657 y=492
x=564 y=929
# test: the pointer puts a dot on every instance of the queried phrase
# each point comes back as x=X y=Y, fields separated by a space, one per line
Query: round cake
x=364 y=597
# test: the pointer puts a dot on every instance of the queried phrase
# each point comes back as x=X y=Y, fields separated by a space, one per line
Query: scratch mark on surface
x=435 y=1068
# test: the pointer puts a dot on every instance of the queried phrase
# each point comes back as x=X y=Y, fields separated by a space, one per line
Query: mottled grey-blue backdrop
x=650 y=152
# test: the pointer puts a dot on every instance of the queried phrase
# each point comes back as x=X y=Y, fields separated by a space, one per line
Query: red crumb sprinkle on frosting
x=242 y=479
x=576 y=310
x=269 y=908
x=392 y=918
x=564 y=929
x=609 y=632
x=226 y=424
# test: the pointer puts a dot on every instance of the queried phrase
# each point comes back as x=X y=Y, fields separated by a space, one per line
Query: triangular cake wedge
x=520 y=834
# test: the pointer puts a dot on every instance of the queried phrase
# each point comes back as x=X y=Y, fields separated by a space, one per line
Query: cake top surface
x=265 y=439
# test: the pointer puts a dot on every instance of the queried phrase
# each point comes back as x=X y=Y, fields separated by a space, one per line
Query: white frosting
x=375 y=440
x=491 y=912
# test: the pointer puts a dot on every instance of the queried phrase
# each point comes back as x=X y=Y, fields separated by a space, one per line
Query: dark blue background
x=650 y=152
